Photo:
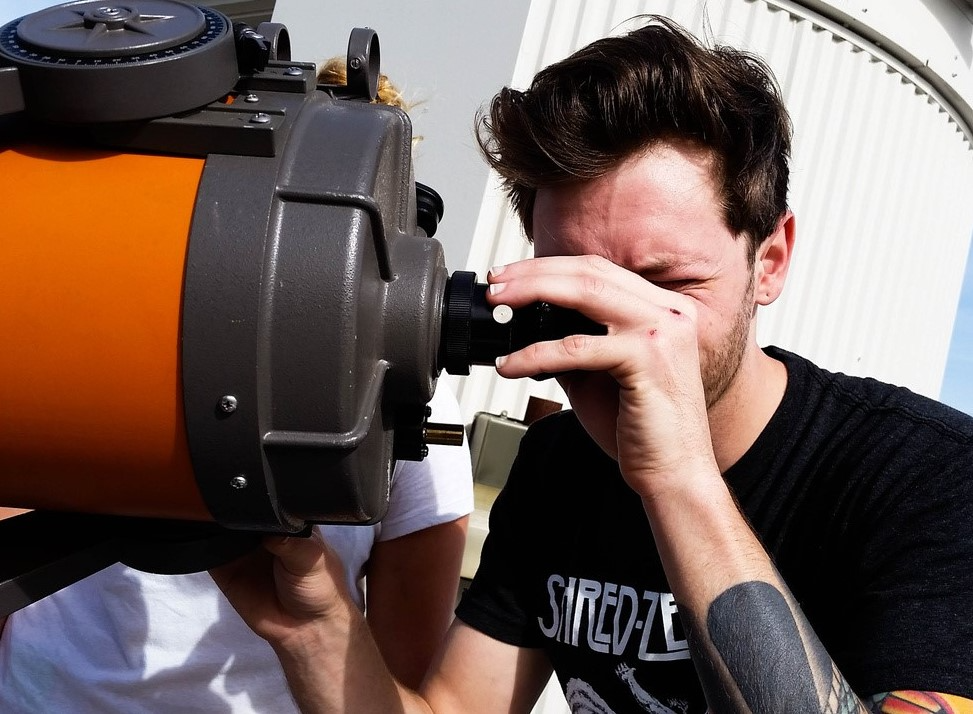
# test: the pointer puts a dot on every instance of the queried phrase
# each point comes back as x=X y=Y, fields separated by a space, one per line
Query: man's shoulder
x=869 y=399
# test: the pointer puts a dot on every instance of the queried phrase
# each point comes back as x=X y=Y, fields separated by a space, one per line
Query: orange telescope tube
x=93 y=256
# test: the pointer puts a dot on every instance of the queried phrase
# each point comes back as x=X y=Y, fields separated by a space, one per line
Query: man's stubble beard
x=720 y=368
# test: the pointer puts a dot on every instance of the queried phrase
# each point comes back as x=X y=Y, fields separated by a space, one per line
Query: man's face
x=659 y=216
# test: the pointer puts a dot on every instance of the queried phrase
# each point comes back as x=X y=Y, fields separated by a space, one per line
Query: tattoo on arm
x=911 y=702
x=753 y=655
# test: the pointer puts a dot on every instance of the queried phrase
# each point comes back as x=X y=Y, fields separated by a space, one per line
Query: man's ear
x=772 y=261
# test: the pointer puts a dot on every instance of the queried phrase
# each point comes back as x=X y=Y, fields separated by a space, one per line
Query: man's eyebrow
x=659 y=266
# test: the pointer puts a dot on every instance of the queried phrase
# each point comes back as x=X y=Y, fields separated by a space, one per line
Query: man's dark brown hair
x=584 y=116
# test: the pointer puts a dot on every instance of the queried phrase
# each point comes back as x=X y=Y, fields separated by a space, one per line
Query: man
x=714 y=526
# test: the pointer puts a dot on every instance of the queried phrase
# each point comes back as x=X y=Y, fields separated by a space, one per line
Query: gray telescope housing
x=311 y=298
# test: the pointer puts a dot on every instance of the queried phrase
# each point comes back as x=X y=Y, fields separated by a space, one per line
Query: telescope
x=222 y=305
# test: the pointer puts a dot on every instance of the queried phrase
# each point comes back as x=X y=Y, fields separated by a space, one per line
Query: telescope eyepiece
x=473 y=332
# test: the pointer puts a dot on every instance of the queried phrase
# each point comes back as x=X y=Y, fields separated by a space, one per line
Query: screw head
x=251 y=98
x=293 y=71
x=228 y=404
x=260 y=118
x=238 y=482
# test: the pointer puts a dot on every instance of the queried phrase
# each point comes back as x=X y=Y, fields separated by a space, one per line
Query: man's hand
x=287 y=583
x=291 y=593
x=637 y=390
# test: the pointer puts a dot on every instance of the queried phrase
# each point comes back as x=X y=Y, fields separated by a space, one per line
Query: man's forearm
x=291 y=593
x=752 y=646
x=334 y=665
x=754 y=653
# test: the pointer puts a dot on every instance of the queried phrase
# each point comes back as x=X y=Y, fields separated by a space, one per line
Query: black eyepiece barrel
x=473 y=332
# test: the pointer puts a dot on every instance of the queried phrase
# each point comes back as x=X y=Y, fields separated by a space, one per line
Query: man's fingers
x=552 y=265
x=625 y=351
x=600 y=289
x=246 y=578
x=591 y=353
x=297 y=555
x=568 y=282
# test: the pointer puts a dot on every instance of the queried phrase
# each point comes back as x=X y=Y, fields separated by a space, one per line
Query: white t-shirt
x=126 y=641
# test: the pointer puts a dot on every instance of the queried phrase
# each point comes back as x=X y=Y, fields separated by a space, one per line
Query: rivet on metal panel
x=238 y=482
x=228 y=403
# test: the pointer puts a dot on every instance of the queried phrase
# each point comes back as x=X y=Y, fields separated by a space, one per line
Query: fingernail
x=496 y=270
x=500 y=361
x=497 y=288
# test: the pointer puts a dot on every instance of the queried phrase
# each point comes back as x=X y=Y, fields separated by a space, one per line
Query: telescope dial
x=97 y=61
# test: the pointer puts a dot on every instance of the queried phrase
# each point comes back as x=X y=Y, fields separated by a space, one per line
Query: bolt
x=260 y=118
x=355 y=63
x=251 y=98
x=293 y=72
x=228 y=403
x=238 y=482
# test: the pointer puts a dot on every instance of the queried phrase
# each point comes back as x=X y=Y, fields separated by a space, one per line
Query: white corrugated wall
x=881 y=184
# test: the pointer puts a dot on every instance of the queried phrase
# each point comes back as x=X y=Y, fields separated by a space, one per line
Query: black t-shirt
x=861 y=492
